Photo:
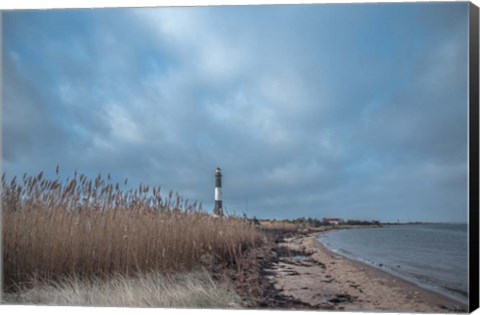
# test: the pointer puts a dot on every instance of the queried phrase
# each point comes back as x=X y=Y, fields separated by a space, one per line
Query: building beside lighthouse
x=218 y=208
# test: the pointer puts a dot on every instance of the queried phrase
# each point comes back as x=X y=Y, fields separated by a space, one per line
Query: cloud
x=310 y=110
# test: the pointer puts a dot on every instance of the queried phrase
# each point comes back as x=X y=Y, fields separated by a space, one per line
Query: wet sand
x=325 y=280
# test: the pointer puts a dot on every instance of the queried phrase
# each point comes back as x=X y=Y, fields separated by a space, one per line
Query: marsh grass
x=153 y=289
x=280 y=226
x=92 y=229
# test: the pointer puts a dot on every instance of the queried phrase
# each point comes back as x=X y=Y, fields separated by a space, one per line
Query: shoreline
x=448 y=293
x=328 y=280
x=430 y=290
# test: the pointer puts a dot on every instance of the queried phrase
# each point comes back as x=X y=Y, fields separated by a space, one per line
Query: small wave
x=344 y=251
x=456 y=291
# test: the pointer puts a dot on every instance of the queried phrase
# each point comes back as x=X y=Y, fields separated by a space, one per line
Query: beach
x=308 y=272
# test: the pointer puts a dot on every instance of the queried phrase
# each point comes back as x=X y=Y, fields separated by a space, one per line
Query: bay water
x=433 y=256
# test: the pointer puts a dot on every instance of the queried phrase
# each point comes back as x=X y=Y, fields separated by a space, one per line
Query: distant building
x=333 y=221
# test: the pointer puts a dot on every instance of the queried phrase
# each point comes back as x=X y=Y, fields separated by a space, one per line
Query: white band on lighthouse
x=218 y=193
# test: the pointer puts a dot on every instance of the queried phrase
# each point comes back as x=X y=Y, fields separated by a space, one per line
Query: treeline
x=314 y=222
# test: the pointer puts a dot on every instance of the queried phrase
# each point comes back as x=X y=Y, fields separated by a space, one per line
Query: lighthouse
x=218 y=210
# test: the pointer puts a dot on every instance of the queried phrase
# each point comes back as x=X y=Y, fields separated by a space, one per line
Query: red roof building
x=332 y=220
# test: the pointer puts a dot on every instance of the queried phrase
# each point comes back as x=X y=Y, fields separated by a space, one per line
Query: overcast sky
x=348 y=110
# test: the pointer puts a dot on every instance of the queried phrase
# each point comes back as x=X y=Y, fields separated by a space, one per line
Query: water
x=433 y=256
x=300 y=258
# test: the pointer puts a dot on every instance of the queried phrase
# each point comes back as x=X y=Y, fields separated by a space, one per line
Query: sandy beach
x=308 y=272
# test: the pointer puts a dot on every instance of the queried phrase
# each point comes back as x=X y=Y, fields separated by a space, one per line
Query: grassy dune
x=281 y=226
x=153 y=289
x=93 y=230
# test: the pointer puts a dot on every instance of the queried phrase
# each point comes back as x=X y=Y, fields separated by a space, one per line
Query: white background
x=47 y=4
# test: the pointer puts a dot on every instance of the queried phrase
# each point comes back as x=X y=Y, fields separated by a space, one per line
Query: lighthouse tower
x=218 y=210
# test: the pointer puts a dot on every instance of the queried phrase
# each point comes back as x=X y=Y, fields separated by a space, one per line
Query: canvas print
x=300 y=157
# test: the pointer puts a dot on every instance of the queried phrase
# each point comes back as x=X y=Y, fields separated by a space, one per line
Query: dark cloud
x=357 y=111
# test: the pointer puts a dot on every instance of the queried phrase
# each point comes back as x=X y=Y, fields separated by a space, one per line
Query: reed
x=281 y=226
x=92 y=228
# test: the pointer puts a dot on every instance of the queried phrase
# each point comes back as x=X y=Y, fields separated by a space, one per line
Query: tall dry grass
x=93 y=228
x=281 y=226
x=153 y=289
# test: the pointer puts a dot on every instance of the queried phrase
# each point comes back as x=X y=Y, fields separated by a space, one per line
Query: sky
x=356 y=111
